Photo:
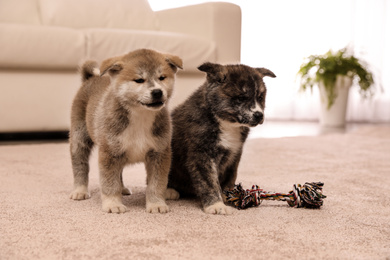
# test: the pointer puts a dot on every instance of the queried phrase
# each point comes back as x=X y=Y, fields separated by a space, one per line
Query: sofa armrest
x=218 y=22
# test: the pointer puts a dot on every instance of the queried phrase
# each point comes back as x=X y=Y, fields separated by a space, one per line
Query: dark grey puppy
x=209 y=130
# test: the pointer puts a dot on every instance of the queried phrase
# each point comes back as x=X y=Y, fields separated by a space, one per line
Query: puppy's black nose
x=258 y=117
x=157 y=93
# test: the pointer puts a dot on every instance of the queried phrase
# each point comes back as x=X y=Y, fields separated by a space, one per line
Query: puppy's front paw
x=113 y=205
x=115 y=208
x=171 y=194
x=158 y=207
x=80 y=193
x=218 y=208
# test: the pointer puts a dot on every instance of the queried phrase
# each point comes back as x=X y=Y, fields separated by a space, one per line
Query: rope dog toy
x=308 y=195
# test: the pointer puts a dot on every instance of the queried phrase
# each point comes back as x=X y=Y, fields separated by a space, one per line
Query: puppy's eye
x=139 y=81
x=262 y=96
x=242 y=98
x=161 y=78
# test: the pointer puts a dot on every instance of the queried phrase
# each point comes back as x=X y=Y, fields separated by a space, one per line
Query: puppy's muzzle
x=157 y=99
x=157 y=94
x=257 y=118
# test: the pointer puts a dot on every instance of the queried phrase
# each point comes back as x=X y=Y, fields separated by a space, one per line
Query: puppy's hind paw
x=218 y=208
x=80 y=193
x=171 y=194
x=159 y=207
x=126 y=191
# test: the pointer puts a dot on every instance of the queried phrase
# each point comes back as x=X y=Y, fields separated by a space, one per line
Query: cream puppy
x=123 y=111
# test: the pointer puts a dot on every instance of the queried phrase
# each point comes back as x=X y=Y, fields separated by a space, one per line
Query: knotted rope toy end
x=308 y=195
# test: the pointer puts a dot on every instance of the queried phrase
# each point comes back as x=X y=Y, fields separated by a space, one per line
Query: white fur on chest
x=137 y=139
x=230 y=137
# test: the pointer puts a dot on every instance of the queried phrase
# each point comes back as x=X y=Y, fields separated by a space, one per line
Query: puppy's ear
x=174 y=61
x=265 y=72
x=215 y=72
x=113 y=66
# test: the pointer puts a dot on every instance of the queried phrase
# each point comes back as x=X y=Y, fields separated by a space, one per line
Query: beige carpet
x=38 y=221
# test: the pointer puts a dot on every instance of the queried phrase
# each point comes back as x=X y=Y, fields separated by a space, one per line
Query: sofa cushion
x=126 y=14
x=30 y=46
x=105 y=43
x=19 y=11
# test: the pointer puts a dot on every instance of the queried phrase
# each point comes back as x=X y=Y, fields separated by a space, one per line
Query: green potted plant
x=334 y=73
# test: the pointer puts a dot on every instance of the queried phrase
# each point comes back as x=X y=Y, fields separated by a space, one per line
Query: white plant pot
x=335 y=115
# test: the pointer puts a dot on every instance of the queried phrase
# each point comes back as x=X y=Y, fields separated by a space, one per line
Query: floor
x=270 y=129
x=276 y=129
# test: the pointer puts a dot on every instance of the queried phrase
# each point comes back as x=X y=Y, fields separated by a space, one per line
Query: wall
x=279 y=34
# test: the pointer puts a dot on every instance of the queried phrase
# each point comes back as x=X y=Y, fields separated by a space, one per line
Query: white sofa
x=42 y=43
